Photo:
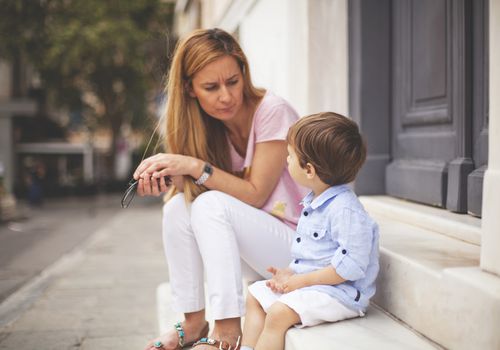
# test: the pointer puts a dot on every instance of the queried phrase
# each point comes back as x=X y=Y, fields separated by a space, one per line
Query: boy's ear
x=310 y=171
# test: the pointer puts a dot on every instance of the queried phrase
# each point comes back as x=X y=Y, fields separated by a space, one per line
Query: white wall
x=213 y=11
x=298 y=49
x=328 y=62
x=273 y=35
x=187 y=19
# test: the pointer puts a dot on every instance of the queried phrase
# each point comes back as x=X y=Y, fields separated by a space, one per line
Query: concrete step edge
x=433 y=283
x=377 y=330
x=459 y=226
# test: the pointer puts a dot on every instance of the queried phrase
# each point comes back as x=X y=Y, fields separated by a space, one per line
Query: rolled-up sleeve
x=355 y=237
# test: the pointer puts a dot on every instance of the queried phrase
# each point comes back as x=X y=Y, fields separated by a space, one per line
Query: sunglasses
x=132 y=189
x=132 y=185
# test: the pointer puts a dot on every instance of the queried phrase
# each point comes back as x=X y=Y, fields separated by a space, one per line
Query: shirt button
x=344 y=251
x=306 y=213
x=298 y=239
x=315 y=234
x=296 y=261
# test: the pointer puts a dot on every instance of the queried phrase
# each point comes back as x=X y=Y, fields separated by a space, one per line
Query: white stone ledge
x=460 y=226
x=433 y=282
x=377 y=330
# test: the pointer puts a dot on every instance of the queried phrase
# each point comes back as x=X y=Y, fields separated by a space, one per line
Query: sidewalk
x=99 y=296
x=44 y=234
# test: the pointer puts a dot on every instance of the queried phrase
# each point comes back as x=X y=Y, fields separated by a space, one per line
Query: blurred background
x=81 y=89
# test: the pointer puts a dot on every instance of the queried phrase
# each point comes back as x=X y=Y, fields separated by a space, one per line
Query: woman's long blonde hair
x=189 y=130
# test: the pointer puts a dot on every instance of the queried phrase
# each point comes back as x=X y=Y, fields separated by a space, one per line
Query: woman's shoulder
x=272 y=104
x=272 y=118
x=271 y=100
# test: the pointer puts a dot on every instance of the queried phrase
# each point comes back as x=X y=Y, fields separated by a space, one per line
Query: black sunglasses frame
x=129 y=193
x=132 y=185
x=131 y=189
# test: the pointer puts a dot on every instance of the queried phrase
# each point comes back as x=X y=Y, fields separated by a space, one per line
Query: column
x=490 y=241
x=6 y=150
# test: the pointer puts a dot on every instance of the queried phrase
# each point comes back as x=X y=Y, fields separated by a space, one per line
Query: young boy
x=335 y=249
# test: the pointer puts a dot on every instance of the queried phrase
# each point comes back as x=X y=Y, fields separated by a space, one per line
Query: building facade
x=416 y=76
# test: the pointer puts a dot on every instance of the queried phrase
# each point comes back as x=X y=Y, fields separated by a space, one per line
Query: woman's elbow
x=257 y=200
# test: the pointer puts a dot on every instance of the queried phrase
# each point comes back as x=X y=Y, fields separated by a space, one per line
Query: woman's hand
x=152 y=170
x=155 y=187
x=167 y=164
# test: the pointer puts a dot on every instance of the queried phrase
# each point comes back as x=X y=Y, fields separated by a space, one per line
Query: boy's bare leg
x=278 y=319
x=254 y=322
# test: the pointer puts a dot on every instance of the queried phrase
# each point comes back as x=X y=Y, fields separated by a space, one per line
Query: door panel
x=424 y=138
x=428 y=60
x=431 y=144
x=436 y=99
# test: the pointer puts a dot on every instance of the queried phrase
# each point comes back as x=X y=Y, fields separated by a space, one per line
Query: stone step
x=430 y=277
x=377 y=330
x=463 y=227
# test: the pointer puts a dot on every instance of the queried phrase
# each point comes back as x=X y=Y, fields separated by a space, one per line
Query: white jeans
x=220 y=233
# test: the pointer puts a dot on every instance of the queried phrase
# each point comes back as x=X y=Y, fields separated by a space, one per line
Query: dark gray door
x=438 y=108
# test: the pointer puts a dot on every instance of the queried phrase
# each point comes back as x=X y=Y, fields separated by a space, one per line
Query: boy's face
x=298 y=173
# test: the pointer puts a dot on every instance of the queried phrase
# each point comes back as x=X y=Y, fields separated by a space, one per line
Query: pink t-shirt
x=271 y=121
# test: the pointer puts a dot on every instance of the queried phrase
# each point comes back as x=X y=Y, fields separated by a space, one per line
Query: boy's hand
x=294 y=282
x=280 y=277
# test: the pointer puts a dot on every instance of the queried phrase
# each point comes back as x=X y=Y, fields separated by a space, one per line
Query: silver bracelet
x=207 y=171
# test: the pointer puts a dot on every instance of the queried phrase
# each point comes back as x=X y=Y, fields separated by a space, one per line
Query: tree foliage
x=97 y=57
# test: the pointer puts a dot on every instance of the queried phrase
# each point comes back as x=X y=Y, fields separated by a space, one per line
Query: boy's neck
x=318 y=188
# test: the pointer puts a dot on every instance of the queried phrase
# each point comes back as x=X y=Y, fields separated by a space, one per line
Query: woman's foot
x=228 y=330
x=170 y=340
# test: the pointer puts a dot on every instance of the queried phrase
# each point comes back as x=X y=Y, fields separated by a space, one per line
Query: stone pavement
x=41 y=235
x=100 y=296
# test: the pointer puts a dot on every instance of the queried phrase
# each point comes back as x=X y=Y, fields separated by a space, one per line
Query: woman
x=232 y=202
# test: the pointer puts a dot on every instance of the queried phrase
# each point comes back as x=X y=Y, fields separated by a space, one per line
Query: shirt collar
x=327 y=194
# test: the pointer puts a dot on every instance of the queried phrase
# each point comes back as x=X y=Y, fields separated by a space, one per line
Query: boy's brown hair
x=332 y=143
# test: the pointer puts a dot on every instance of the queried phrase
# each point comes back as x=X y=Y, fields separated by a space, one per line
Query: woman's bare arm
x=266 y=169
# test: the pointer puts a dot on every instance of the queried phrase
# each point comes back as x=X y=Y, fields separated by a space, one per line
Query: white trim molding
x=490 y=259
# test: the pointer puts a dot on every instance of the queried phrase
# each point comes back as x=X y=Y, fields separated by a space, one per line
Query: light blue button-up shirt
x=334 y=229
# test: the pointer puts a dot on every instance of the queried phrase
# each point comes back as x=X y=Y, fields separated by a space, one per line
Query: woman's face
x=219 y=88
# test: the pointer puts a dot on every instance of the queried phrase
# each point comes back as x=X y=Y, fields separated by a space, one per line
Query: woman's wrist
x=196 y=168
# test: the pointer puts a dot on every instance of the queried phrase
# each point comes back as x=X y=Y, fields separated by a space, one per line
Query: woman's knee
x=175 y=216
x=173 y=205
x=209 y=205
x=209 y=199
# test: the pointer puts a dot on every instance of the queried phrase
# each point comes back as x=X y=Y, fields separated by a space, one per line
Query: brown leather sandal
x=181 y=333
x=219 y=344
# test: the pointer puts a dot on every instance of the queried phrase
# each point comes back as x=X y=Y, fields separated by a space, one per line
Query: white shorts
x=313 y=307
